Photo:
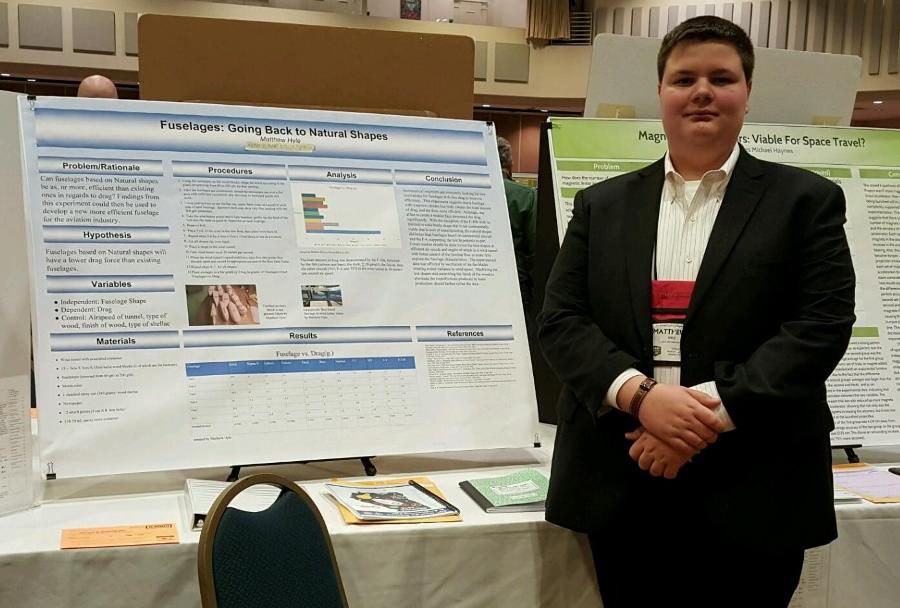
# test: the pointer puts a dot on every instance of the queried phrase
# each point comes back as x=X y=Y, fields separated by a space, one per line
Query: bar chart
x=361 y=215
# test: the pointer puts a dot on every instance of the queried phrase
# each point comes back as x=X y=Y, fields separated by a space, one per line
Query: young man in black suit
x=714 y=270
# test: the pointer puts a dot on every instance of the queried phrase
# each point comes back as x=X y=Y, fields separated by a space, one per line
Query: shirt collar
x=715 y=177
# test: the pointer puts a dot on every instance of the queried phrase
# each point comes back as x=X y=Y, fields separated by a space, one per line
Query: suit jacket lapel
x=642 y=218
x=741 y=197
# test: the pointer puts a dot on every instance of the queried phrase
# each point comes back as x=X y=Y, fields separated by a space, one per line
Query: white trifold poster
x=16 y=474
x=220 y=285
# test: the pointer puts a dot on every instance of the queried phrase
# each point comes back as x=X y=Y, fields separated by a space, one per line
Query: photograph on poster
x=318 y=296
x=222 y=305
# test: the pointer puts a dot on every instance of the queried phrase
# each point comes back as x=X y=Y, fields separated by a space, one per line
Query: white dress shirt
x=687 y=212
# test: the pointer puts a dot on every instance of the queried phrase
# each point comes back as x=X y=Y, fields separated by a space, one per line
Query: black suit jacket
x=770 y=317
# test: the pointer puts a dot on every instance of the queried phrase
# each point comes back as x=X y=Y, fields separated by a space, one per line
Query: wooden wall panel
x=223 y=60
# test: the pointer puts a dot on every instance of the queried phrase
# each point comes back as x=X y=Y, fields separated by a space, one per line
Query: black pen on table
x=428 y=492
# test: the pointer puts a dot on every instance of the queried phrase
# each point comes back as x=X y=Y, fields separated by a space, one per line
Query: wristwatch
x=634 y=408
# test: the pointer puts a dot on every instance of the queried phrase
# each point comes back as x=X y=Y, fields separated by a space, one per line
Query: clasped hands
x=677 y=423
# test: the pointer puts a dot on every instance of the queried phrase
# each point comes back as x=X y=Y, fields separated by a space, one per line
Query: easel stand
x=366 y=461
x=546 y=385
x=852 y=457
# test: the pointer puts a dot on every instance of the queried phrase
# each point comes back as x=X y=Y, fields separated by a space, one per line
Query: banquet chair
x=279 y=557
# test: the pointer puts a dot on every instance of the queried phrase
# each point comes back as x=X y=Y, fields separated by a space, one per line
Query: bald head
x=97 y=86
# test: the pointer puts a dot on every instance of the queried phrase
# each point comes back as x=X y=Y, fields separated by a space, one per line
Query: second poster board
x=864 y=391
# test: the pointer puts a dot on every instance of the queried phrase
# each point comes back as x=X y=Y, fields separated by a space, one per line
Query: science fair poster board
x=220 y=285
x=16 y=477
x=864 y=390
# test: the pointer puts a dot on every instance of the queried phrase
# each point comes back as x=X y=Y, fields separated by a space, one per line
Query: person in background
x=694 y=312
x=521 y=203
x=98 y=86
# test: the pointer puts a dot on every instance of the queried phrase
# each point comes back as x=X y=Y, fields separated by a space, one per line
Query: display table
x=497 y=560
x=863 y=565
x=514 y=560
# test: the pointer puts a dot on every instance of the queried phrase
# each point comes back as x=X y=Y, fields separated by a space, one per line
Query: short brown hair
x=708 y=28
x=504 y=150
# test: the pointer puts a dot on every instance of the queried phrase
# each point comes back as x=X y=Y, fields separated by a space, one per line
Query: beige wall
x=553 y=71
x=832 y=22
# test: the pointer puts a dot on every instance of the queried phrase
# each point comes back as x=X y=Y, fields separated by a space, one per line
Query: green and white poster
x=864 y=391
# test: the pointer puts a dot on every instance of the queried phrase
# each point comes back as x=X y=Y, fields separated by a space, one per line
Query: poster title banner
x=152 y=131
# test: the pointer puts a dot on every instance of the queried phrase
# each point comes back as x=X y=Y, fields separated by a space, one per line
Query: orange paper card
x=119 y=536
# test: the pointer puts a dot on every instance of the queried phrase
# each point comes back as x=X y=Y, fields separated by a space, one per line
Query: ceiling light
x=32 y=80
x=543 y=110
x=485 y=105
x=878 y=102
x=5 y=75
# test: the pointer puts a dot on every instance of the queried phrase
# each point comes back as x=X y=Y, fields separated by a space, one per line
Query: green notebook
x=524 y=490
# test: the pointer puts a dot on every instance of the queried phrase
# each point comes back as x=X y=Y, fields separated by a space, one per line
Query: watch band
x=634 y=408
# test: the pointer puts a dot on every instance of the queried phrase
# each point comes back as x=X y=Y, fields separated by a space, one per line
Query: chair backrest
x=279 y=557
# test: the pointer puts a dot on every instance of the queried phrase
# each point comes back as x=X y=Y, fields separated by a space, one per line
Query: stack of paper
x=408 y=500
x=200 y=494
x=842 y=496
x=871 y=483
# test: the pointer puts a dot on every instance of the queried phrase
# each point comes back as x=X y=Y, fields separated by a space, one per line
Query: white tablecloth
x=514 y=560
x=863 y=565
x=495 y=560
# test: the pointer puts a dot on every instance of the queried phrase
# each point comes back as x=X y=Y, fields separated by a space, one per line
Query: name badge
x=667 y=343
x=669 y=304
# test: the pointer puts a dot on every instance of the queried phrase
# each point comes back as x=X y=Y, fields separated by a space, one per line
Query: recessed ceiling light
x=878 y=102
x=543 y=110
x=32 y=80
x=485 y=105
x=5 y=75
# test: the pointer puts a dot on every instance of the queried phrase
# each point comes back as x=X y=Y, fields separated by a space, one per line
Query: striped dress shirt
x=687 y=212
